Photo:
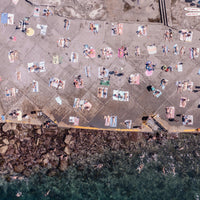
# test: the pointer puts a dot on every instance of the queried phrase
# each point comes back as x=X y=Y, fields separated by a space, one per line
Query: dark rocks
x=9 y=126
x=56 y=149
x=5 y=141
x=68 y=139
x=27 y=172
x=52 y=172
x=67 y=150
x=19 y=168
x=63 y=164
x=3 y=149
x=2 y=161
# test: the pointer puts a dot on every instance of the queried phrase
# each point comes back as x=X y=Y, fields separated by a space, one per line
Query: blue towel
x=4 y=18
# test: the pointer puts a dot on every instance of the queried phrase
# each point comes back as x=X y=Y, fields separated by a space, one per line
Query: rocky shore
x=25 y=149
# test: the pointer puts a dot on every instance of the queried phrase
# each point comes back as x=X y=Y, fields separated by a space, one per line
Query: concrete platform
x=42 y=48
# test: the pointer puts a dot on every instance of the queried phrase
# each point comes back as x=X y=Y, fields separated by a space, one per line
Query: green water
x=119 y=177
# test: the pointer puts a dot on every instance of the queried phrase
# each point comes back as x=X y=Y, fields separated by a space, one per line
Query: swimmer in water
x=47 y=193
x=19 y=194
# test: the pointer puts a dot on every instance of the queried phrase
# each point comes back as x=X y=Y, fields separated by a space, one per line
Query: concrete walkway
x=141 y=102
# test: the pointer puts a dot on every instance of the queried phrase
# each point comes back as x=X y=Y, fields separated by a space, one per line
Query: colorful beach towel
x=152 y=49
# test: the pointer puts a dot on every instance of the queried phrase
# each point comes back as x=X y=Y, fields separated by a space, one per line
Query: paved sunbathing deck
x=42 y=48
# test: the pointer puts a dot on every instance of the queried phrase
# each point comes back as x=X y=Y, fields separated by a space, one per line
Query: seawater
x=159 y=172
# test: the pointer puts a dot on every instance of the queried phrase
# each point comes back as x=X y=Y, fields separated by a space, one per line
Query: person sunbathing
x=87 y=71
x=195 y=52
x=77 y=103
x=81 y=82
x=182 y=51
x=74 y=56
x=120 y=96
x=156 y=92
x=87 y=106
x=190 y=86
x=188 y=122
x=179 y=87
x=91 y=27
x=126 y=96
x=163 y=83
x=131 y=79
x=76 y=84
x=61 y=43
x=102 y=72
x=107 y=120
x=167 y=110
x=166 y=35
x=183 y=102
x=125 y=52
x=99 y=92
x=86 y=53
x=137 y=51
x=60 y=84
x=113 y=121
x=104 y=92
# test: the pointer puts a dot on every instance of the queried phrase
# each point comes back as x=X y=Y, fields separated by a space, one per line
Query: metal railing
x=163 y=12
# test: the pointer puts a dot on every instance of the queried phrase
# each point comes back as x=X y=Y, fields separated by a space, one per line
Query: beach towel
x=120 y=29
x=96 y=28
x=19 y=115
x=57 y=83
x=180 y=67
x=58 y=100
x=157 y=93
x=35 y=86
x=55 y=59
x=12 y=56
x=67 y=24
x=188 y=120
x=11 y=92
x=148 y=73
x=170 y=112
x=120 y=95
x=87 y=71
x=42 y=66
x=74 y=57
x=36 y=12
x=152 y=49
x=120 y=52
x=106 y=52
x=107 y=120
x=186 y=35
x=102 y=72
x=18 y=76
x=10 y=19
x=102 y=82
x=115 y=95
x=141 y=31
x=15 y=1
x=134 y=79
x=113 y=121
x=74 y=120
x=190 y=86
x=102 y=92
x=4 y=18
x=128 y=123
x=183 y=102
x=43 y=29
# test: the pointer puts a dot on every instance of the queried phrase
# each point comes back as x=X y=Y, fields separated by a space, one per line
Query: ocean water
x=169 y=171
